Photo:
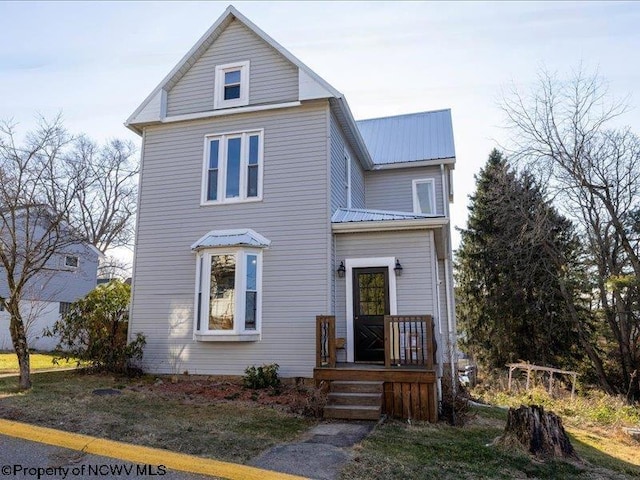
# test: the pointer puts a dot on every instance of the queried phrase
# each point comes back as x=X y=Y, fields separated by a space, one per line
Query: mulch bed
x=201 y=391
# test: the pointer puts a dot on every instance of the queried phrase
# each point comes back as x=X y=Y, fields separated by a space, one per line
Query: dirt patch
x=289 y=398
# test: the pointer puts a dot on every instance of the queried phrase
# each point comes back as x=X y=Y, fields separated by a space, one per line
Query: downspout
x=447 y=278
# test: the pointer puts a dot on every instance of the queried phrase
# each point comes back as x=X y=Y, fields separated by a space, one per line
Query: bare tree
x=35 y=199
x=561 y=132
x=106 y=191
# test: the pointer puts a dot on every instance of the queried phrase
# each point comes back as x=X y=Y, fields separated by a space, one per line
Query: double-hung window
x=231 y=85
x=228 y=294
x=424 y=196
x=233 y=168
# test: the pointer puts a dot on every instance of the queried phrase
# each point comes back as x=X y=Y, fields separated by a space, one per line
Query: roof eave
x=418 y=163
x=389 y=225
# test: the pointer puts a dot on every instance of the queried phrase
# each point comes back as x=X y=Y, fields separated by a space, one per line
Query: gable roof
x=312 y=86
x=408 y=138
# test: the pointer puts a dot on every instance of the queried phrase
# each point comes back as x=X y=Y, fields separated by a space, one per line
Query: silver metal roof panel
x=344 y=215
x=409 y=138
x=231 y=238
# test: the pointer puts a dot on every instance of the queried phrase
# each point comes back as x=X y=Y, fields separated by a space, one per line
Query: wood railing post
x=325 y=341
x=428 y=320
x=387 y=341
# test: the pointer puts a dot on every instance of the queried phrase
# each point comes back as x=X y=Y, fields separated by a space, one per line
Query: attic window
x=231 y=88
x=71 y=261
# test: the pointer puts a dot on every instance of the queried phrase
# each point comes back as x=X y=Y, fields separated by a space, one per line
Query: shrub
x=94 y=330
x=262 y=377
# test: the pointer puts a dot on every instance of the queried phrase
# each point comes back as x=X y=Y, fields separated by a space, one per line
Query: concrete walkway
x=320 y=454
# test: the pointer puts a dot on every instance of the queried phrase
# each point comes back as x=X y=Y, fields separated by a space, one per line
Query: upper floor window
x=232 y=168
x=424 y=196
x=231 y=87
x=71 y=261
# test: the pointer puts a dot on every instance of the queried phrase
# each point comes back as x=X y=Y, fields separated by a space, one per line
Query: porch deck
x=408 y=374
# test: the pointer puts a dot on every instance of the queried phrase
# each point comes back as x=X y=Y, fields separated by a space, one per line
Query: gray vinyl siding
x=414 y=249
x=339 y=172
x=293 y=215
x=273 y=79
x=392 y=189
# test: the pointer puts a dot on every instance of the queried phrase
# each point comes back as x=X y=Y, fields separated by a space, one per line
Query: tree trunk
x=540 y=433
x=19 y=340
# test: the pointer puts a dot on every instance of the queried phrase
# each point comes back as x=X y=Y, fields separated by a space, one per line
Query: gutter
x=389 y=225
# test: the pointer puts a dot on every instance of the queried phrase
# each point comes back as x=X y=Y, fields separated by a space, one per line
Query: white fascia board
x=421 y=163
x=389 y=225
x=227 y=111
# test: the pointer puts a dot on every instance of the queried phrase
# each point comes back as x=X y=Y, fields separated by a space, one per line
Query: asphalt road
x=24 y=459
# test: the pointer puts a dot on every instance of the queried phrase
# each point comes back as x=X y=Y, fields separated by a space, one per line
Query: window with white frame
x=231 y=85
x=71 y=261
x=424 y=196
x=228 y=294
x=232 y=168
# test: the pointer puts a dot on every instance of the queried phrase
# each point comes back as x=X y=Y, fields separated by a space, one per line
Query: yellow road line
x=138 y=454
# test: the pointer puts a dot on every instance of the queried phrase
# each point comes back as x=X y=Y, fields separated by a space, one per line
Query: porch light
x=341 y=270
x=398 y=268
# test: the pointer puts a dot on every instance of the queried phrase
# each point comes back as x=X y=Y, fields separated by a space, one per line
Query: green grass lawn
x=230 y=431
x=397 y=450
x=38 y=361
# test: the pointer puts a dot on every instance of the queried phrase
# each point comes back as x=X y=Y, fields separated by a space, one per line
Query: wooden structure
x=528 y=367
x=407 y=376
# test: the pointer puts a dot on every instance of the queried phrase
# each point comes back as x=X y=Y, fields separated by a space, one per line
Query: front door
x=370 y=305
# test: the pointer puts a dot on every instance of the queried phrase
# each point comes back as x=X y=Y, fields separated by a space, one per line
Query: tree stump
x=540 y=433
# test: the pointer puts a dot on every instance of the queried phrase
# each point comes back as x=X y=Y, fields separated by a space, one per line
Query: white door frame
x=350 y=264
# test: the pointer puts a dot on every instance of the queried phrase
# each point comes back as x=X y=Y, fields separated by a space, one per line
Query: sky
x=95 y=62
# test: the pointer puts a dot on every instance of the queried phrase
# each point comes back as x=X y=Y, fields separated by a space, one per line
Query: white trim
x=416 y=200
x=435 y=279
x=234 y=111
x=389 y=225
x=445 y=189
x=347 y=161
x=218 y=85
x=223 y=139
x=350 y=264
x=419 y=163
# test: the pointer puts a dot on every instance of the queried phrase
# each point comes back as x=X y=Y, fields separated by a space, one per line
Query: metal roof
x=409 y=138
x=345 y=215
x=231 y=238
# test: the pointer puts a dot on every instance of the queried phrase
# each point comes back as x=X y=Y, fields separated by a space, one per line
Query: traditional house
x=274 y=228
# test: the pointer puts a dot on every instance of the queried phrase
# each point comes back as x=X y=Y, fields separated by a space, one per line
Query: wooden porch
x=404 y=386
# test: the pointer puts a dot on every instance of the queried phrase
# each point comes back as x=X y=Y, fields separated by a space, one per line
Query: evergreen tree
x=515 y=275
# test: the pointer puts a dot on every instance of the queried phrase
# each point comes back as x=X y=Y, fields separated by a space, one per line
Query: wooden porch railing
x=409 y=341
x=325 y=341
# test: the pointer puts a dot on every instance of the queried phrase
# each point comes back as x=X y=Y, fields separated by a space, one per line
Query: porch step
x=352 y=412
x=354 y=400
x=344 y=386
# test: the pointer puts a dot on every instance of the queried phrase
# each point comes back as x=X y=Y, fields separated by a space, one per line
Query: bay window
x=228 y=294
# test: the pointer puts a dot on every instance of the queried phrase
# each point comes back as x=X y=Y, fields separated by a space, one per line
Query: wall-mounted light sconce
x=398 y=268
x=341 y=270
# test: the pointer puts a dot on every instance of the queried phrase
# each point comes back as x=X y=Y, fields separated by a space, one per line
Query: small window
x=64 y=308
x=231 y=88
x=71 y=261
x=228 y=289
x=232 y=168
x=424 y=196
